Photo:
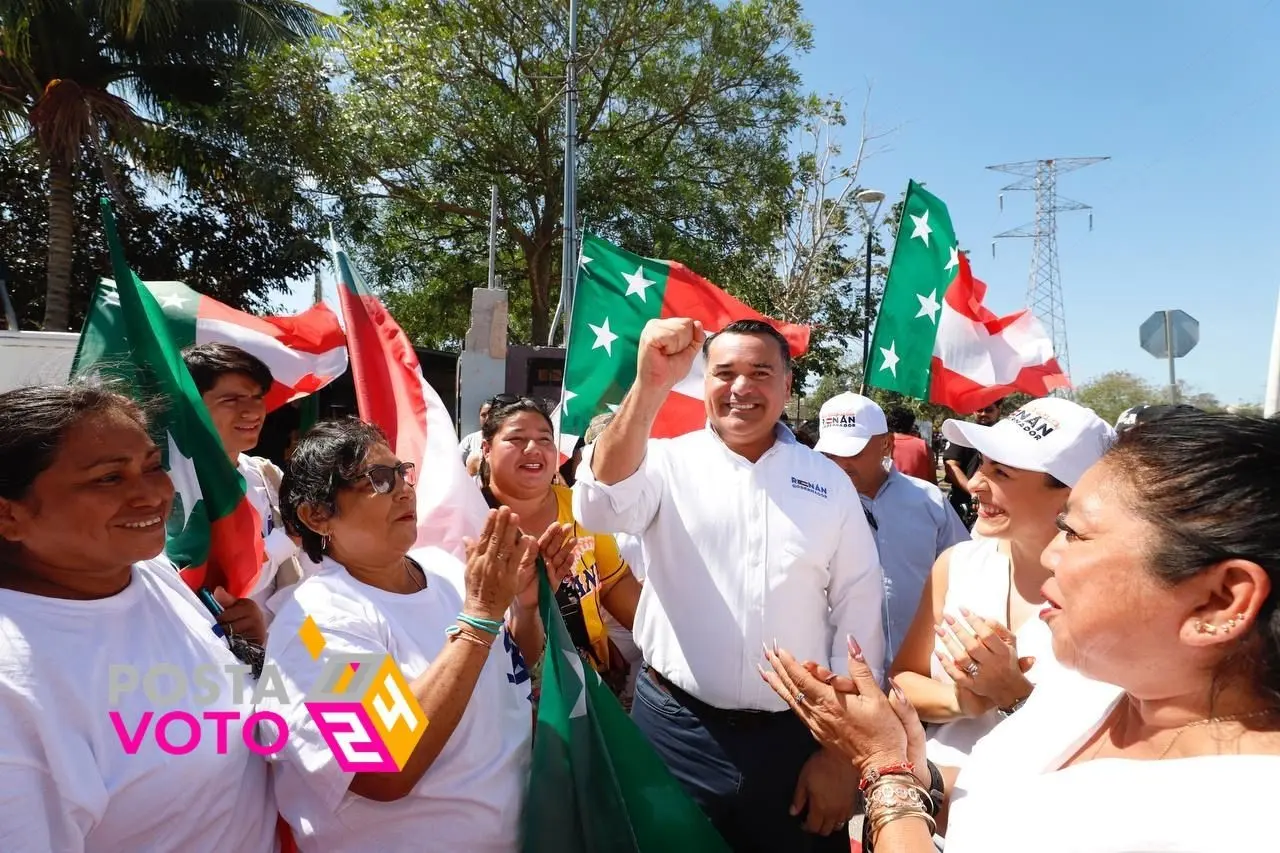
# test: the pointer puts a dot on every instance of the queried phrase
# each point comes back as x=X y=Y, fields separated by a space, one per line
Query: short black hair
x=325 y=460
x=207 y=363
x=34 y=420
x=757 y=328
x=900 y=419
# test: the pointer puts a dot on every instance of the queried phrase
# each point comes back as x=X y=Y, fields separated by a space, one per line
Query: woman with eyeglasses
x=518 y=471
x=462 y=658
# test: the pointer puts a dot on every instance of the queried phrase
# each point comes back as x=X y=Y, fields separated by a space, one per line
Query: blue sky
x=1185 y=101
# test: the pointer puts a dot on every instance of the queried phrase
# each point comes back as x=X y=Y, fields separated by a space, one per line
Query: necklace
x=408 y=570
x=1180 y=730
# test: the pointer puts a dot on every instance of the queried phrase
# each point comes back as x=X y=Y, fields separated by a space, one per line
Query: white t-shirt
x=1013 y=796
x=470 y=798
x=276 y=542
x=67 y=782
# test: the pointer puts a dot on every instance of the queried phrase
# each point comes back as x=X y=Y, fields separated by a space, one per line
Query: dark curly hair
x=1207 y=484
x=328 y=458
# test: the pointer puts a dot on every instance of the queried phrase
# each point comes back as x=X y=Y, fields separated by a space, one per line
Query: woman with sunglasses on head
x=101 y=644
x=990 y=587
x=462 y=655
x=519 y=469
x=1163 y=596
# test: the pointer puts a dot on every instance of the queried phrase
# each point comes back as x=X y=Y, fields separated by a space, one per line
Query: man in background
x=911 y=454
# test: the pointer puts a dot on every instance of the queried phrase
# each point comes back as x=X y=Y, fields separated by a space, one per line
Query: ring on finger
x=799 y=697
x=972 y=669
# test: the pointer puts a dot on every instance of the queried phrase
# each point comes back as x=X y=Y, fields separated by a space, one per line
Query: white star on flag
x=955 y=260
x=637 y=283
x=568 y=395
x=575 y=664
x=604 y=337
x=890 y=359
x=182 y=471
x=583 y=260
x=613 y=407
x=922 y=229
x=172 y=300
x=929 y=306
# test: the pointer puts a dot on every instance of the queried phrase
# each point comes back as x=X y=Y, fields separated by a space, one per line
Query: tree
x=1110 y=394
x=62 y=63
x=685 y=110
x=236 y=252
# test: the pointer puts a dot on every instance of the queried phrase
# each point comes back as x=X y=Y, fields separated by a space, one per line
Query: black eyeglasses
x=383 y=477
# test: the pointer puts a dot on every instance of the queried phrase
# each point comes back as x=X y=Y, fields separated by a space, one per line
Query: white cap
x=1051 y=435
x=846 y=423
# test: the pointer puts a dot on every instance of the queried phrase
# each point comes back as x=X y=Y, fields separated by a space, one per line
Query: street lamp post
x=865 y=198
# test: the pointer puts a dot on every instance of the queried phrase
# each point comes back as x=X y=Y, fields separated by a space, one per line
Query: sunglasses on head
x=383 y=477
x=503 y=400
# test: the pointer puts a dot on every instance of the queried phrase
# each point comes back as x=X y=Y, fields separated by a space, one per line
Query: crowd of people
x=1076 y=647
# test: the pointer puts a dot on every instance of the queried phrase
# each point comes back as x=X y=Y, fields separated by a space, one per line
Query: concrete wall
x=482 y=367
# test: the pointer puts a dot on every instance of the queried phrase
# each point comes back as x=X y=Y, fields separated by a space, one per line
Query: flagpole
x=570 y=213
x=1272 y=404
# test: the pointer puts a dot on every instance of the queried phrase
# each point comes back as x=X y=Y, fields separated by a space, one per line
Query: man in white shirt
x=910 y=519
x=233 y=383
x=750 y=538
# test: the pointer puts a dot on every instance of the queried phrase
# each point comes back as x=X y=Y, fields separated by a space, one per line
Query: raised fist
x=667 y=350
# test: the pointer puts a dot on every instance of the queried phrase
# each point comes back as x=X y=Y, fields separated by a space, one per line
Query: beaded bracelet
x=489 y=626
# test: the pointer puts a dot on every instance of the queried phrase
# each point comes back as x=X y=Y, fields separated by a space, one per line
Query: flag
x=213 y=531
x=304 y=352
x=935 y=340
x=596 y=784
x=617 y=294
x=392 y=394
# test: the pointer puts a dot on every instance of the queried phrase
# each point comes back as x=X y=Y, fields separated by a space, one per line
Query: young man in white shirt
x=233 y=383
x=750 y=538
x=910 y=519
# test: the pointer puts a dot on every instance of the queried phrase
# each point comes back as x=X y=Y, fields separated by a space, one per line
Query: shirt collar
x=782 y=435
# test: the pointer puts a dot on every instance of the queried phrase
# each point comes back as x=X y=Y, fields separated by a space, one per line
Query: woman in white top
x=460 y=659
x=1030 y=461
x=106 y=744
x=233 y=385
x=1164 y=598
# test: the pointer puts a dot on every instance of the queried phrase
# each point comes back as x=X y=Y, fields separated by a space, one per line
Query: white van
x=35 y=358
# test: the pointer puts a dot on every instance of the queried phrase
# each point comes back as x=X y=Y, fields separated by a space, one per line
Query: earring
x=324 y=542
x=1203 y=628
x=1234 y=621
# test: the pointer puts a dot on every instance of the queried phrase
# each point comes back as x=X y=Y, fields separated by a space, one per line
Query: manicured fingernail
x=939 y=630
x=949 y=619
x=765 y=646
x=855 y=649
x=763 y=677
x=964 y=611
x=775 y=645
x=897 y=691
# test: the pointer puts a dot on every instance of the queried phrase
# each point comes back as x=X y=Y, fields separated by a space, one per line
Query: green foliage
x=685 y=110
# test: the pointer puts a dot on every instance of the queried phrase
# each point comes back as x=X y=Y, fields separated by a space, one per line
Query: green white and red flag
x=214 y=534
x=392 y=394
x=619 y=292
x=934 y=338
x=305 y=352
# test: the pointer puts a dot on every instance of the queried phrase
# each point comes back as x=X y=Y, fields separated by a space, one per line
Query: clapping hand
x=558 y=548
x=981 y=656
x=493 y=565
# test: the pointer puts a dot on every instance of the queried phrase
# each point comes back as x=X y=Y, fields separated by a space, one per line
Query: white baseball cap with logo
x=846 y=423
x=1050 y=435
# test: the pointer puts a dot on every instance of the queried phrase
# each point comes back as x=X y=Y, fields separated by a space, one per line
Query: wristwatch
x=1006 y=712
x=937 y=789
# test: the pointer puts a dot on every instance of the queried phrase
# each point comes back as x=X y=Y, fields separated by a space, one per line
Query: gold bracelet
x=457 y=632
x=897 y=790
x=885 y=819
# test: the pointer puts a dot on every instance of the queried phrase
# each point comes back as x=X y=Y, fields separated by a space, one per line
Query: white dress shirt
x=742 y=554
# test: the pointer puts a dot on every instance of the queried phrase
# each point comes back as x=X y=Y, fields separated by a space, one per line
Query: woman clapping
x=1164 y=598
x=462 y=654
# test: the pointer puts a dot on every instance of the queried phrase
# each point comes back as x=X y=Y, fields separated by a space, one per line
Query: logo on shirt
x=811 y=488
x=1033 y=423
x=361 y=703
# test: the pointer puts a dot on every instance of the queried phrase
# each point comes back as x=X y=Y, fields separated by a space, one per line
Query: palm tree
x=77 y=76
